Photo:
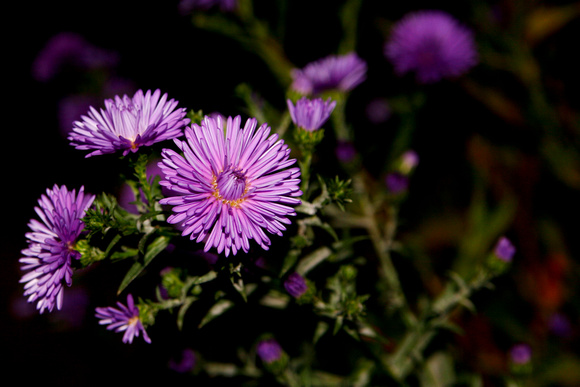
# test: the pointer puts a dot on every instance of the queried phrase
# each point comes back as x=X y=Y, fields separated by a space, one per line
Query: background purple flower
x=47 y=259
x=504 y=249
x=269 y=350
x=334 y=72
x=295 y=285
x=520 y=353
x=123 y=319
x=432 y=44
x=229 y=188
x=310 y=114
x=129 y=123
x=186 y=6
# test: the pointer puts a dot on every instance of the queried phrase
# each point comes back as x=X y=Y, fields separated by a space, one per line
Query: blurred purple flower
x=334 y=72
x=432 y=44
x=51 y=245
x=345 y=151
x=504 y=249
x=230 y=184
x=295 y=285
x=396 y=182
x=378 y=111
x=310 y=114
x=123 y=319
x=187 y=6
x=409 y=161
x=520 y=353
x=560 y=325
x=69 y=49
x=269 y=350
x=186 y=363
x=129 y=123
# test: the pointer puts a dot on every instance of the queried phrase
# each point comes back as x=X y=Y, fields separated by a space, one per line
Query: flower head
x=269 y=350
x=230 y=184
x=432 y=44
x=335 y=72
x=504 y=249
x=123 y=319
x=310 y=114
x=520 y=353
x=129 y=123
x=295 y=285
x=51 y=241
x=396 y=182
x=186 y=6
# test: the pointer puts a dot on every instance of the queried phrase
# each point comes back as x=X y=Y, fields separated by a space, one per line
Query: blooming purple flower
x=520 y=353
x=504 y=249
x=432 y=44
x=340 y=72
x=295 y=285
x=269 y=350
x=69 y=49
x=310 y=114
x=123 y=319
x=51 y=245
x=129 y=123
x=230 y=184
x=186 y=6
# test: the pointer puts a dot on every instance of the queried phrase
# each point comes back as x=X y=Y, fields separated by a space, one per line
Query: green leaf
x=156 y=247
x=216 y=310
x=184 y=307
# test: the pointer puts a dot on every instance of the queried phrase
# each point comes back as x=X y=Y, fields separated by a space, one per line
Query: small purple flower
x=51 y=245
x=559 y=325
x=68 y=49
x=504 y=249
x=397 y=182
x=310 y=114
x=345 y=151
x=520 y=354
x=295 y=285
x=378 y=111
x=186 y=363
x=334 y=72
x=129 y=123
x=409 y=161
x=123 y=319
x=186 y=6
x=230 y=184
x=432 y=44
x=269 y=350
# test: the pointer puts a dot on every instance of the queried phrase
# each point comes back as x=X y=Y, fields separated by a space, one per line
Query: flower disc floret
x=51 y=245
x=229 y=184
x=432 y=44
x=127 y=123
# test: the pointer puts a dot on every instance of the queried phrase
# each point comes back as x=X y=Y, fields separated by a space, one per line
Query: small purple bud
x=504 y=249
x=409 y=160
x=269 y=350
x=520 y=354
x=396 y=182
x=295 y=285
x=560 y=325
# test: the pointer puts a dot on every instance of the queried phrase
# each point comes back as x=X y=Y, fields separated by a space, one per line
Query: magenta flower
x=520 y=353
x=230 y=184
x=186 y=6
x=432 y=44
x=504 y=249
x=269 y=350
x=123 y=319
x=129 y=123
x=310 y=114
x=51 y=245
x=334 y=72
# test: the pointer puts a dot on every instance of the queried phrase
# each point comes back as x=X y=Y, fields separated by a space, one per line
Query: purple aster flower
x=295 y=285
x=230 y=184
x=69 y=49
x=123 y=319
x=128 y=123
x=520 y=353
x=335 y=72
x=504 y=249
x=186 y=6
x=51 y=245
x=269 y=350
x=432 y=44
x=310 y=114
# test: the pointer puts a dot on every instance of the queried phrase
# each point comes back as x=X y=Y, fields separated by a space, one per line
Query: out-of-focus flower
x=123 y=319
x=559 y=324
x=186 y=363
x=345 y=151
x=295 y=285
x=334 y=72
x=269 y=350
x=231 y=184
x=396 y=182
x=187 y=6
x=69 y=49
x=310 y=114
x=432 y=44
x=51 y=245
x=409 y=161
x=129 y=123
x=520 y=354
x=504 y=249
x=378 y=111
